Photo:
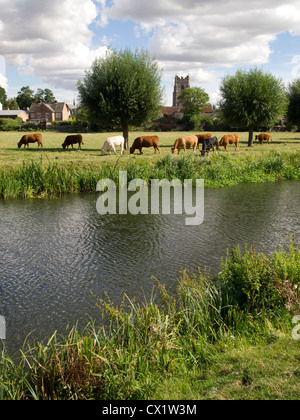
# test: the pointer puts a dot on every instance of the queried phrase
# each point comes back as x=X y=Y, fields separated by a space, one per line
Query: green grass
x=201 y=342
x=11 y=156
x=45 y=178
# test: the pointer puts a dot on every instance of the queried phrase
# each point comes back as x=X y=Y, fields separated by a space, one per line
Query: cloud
x=51 y=40
x=214 y=33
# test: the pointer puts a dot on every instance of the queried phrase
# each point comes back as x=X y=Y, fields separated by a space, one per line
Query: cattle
x=31 y=138
x=111 y=143
x=230 y=139
x=263 y=136
x=209 y=143
x=190 y=142
x=202 y=137
x=145 y=141
x=71 y=140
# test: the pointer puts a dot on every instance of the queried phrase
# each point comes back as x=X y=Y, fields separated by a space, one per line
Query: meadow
x=52 y=170
x=11 y=156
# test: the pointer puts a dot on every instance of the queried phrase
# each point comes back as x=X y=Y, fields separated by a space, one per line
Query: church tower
x=181 y=83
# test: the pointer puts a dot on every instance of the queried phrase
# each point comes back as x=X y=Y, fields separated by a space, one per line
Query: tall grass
x=175 y=340
x=48 y=179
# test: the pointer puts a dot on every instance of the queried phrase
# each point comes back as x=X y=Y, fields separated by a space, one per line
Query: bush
x=254 y=282
x=9 y=124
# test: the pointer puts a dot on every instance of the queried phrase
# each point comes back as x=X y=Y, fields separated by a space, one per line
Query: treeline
x=26 y=96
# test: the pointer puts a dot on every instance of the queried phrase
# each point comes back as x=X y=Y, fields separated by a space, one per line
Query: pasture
x=11 y=156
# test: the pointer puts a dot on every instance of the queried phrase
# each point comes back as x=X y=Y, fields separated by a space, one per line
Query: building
x=13 y=114
x=58 y=111
x=181 y=83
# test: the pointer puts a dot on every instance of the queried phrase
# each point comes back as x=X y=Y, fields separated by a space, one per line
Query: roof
x=11 y=113
x=56 y=107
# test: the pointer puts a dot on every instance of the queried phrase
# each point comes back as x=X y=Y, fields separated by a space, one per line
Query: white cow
x=111 y=143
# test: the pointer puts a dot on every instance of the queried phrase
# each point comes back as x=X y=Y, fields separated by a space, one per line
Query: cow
x=145 y=141
x=71 y=140
x=111 y=143
x=190 y=142
x=230 y=139
x=30 y=138
x=263 y=136
x=209 y=143
x=202 y=137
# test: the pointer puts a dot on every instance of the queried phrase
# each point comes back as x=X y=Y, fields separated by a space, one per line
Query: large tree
x=193 y=100
x=294 y=105
x=122 y=89
x=252 y=99
x=45 y=95
x=25 y=97
x=3 y=97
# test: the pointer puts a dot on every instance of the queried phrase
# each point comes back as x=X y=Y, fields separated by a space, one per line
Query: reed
x=148 y=349
x=37 y=179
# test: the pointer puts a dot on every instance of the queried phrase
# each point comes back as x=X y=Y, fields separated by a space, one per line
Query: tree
x=12 y=104
x=3 y=97
x=193 y=100
x=122 y=89
x=294 y=105
x=45 y=95
x=252 y=99
x=25 y=97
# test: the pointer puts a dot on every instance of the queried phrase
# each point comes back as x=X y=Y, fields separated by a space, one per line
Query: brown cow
x=144 y=141
x=190 y=142
x=230 y=139
x=202 y=137
x=71 y=140
x=263 y=136
x=30 y=138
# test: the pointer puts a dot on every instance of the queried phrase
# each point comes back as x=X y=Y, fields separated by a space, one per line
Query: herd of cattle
x=207 y=141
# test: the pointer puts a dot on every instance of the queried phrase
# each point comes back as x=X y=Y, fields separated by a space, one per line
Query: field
x=11 y=156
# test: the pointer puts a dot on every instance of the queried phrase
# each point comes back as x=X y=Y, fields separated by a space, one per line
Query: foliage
x=3 y=97
x=194 y=100
x=252 y=99
x=44 y=95
x=122 y=89
x=294 y=105
x=10 y=124
x=25 y=97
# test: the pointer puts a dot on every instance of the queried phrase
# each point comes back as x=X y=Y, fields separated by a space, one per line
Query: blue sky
x=50 y=45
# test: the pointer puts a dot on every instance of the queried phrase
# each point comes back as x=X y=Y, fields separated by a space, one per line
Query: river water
x=55 y=252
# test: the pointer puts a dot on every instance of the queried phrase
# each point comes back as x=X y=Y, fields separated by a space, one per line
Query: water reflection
x=53 y=253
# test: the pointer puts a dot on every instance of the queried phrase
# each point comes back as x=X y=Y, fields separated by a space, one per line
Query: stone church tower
x=181 y=83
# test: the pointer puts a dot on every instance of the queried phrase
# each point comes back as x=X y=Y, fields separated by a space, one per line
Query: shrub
x=9 y=124
x=254 y=282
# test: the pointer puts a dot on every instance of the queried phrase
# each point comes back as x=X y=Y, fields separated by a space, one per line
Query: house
x=58 y=111
x=13 y=114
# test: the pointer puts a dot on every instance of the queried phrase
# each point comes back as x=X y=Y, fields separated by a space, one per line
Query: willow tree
x=294 y=105
x=122 y=89
x=252 y=99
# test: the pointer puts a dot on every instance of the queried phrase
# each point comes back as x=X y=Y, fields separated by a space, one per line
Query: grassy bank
x=224 y=338
x=219 y=169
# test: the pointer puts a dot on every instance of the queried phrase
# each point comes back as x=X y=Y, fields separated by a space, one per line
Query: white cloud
x=214 y=33
x=51 y=40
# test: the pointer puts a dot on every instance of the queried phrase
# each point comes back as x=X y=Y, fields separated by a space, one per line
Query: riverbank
x=229 y=337
x=41 y=179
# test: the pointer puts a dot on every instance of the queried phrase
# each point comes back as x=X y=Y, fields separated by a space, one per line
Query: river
x=55 y=252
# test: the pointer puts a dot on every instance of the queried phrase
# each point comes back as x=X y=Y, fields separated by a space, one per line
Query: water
x=55 y=252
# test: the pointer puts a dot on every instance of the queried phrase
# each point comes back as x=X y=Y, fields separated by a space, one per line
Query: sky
x=51 y=44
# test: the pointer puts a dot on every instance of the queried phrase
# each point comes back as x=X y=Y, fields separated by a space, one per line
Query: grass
x=52 y=171
x=201 y=342
x=12 y=157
